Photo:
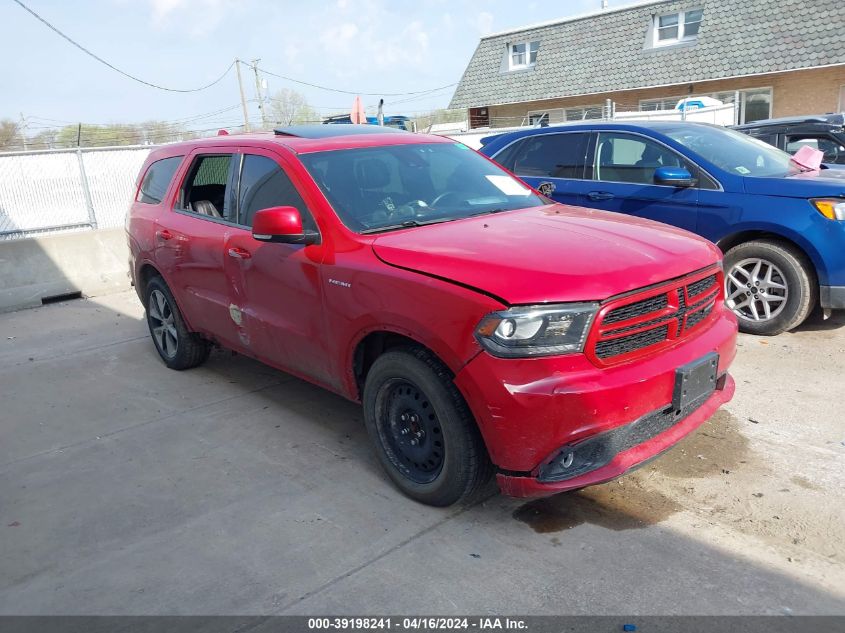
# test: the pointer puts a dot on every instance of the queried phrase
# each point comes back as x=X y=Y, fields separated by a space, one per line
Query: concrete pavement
x=126 y=488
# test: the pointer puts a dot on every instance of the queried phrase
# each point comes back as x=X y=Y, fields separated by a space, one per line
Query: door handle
x=239 y=253
x=164 y=234
x=600 y=195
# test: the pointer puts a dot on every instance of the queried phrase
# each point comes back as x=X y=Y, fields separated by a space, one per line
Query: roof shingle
x=606 y=52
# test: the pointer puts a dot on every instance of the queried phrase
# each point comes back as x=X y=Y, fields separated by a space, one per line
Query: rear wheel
x=770 y=286
x=178 y=347
x=422 y=429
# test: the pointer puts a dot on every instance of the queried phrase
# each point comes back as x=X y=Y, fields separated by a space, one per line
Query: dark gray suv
x=825 y=132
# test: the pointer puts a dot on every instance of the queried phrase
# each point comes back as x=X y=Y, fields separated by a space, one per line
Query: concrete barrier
x=35 y=269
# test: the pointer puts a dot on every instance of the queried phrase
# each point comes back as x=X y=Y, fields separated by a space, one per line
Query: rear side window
x=552 y=155
x=206 y=187
x=157 y=180
x=264 y=184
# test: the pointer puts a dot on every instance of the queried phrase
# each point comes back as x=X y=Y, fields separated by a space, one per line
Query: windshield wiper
x=405 y=225
x=488 y=212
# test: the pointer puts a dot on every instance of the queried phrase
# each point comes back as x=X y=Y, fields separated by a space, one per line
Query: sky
x=366 y=46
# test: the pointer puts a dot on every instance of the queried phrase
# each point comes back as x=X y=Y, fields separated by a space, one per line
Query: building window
x=754 y=103
x=584 y=113
x=674 y=28
x=545 y=117
x=664 y=103
x=522 y=55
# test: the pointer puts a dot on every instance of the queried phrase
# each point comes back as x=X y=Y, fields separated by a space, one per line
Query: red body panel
x=550 y=254
x=305 y=309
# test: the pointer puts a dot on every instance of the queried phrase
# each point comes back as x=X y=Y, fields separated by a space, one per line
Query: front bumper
x=527 y=409
x=516 y=486
x=832 y=297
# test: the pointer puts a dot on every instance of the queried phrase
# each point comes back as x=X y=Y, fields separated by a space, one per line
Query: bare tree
x=289 y=106
x=10 y=138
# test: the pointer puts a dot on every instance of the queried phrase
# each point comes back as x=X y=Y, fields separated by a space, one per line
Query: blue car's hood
x=814 y=184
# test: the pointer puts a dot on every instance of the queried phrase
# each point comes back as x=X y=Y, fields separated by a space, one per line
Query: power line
x=349 y=92
x=45 y=122
x=115 y=68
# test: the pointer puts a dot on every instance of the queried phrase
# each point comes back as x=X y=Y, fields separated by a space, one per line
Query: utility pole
x=243 y=99
x=254 y=65
x=23 y=131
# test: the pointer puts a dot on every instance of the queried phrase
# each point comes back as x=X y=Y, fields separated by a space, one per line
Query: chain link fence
x=54 y=191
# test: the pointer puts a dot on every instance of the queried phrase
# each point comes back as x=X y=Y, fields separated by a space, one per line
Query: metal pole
x=86 y=192
x=78 y=135
x=254 y=65
x=737 y=105
x=243 y=99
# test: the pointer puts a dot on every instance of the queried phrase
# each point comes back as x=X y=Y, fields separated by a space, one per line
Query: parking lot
x=126 y=488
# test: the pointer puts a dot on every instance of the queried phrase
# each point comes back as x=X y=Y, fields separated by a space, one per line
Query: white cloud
x=483 y=23
x=195 y=18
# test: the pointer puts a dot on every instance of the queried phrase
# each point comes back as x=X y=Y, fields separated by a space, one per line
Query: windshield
x=734 y=152
x=383 y=188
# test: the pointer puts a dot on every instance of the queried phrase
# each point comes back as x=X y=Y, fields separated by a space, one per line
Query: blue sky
x=357 y=45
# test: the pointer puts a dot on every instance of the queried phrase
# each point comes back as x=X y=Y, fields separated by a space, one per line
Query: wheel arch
x=148 y=271
x=375 y=343
x=797 y=242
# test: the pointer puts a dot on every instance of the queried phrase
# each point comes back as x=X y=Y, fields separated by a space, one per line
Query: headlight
x=831 y=208
x=537 y=330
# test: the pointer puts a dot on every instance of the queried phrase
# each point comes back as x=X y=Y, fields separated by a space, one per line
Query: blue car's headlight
x=831 y=208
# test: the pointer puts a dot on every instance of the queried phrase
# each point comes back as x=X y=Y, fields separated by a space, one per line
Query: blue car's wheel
x=769 y=285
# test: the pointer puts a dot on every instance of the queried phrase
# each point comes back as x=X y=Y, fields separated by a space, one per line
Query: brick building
x=778 y=57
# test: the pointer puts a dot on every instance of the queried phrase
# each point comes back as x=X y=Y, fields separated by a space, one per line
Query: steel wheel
x=410 y=431
x=756 y=290
x=162 y=324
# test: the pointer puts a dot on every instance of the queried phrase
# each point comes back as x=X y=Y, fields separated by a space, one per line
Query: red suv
x=482 y=327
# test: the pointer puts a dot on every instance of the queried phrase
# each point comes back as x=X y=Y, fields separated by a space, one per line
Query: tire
x=785 y=277
x=176 y=345
x=449 y=463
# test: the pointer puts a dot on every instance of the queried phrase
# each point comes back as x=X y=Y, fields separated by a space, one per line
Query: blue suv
x=781 y=227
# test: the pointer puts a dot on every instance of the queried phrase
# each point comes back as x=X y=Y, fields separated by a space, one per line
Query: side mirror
x=281 y=225
x=674 y=177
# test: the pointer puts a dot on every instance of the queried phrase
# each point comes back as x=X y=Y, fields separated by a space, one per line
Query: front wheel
x=770 y=286
x=423 y=432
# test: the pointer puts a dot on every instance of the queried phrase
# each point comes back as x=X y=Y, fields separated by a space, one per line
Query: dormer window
x=522 y=55
x=675 y=28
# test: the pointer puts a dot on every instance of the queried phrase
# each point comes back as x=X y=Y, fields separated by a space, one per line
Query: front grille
x=646 y=306
x=696 y=288
x=632 y=342
x=697 y=317
x=669 y=313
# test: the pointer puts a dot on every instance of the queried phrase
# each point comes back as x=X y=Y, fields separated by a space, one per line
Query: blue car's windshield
x=376 y=189
x=733 y=151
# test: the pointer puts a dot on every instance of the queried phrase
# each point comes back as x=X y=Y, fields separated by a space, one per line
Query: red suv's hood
x=550 y=253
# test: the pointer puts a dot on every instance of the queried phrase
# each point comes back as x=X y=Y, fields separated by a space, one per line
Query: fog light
x=577 y=459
